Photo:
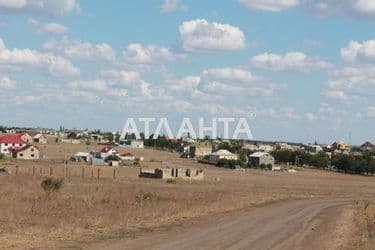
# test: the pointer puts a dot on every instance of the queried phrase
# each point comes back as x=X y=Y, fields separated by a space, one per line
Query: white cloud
x=336 y=94
x=39 y=7
x=199 y=35
x=353 y=8
x=310 y=116
x=356 y=83
x=52 y=28
x=269 y=5
x=213 y=84
x=169 y=6
x=359 y=52
x=123 y=76
x=229 y=74
x=291 y=61
x=7 y=83
x=76 y=49
x=371 y=112
x=139 y=54
x=23 y=58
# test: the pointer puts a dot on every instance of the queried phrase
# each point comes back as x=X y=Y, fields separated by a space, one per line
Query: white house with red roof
x=10 y=142
x=108 y=151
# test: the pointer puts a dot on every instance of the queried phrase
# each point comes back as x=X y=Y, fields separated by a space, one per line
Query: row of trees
x=352 y=164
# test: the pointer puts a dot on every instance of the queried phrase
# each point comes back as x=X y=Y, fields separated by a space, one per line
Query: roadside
x=307 y=224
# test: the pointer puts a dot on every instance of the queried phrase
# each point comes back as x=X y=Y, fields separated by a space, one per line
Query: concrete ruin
x=172 y=173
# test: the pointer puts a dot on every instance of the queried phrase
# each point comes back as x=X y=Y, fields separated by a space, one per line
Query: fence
x=68 y=172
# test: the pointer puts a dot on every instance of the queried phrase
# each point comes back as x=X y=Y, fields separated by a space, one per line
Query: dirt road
x=303 y=224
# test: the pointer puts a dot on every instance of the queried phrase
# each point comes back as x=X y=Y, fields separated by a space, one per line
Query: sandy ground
x=304 y=224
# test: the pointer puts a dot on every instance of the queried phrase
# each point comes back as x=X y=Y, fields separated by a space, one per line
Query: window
x=6 y=144
x=32 y=150
x=32 y=155
x=21 y=155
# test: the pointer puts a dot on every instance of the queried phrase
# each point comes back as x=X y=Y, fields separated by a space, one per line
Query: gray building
x=259 y=158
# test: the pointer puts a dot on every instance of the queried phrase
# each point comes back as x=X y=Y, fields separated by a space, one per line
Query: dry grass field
x=87 y=209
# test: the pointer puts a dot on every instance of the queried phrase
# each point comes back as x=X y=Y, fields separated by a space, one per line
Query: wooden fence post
x=98 y=173
x=50 y=171
x=83 y=173
x=66 y=172
x=114 y=173
x=92 y=172
x=16 y=170
x=33 y=171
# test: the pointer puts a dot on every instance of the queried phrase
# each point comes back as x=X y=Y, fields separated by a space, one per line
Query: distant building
x=26 y=137
x=127 y=157
x=108 y=151
x=340 y=147
x=251 y=147
x=28 y=152
x=282 y=146
x=200 y=149
x=10 y=141
x=367 y=146
x=265 y=148
x=313 y=149
x=261 y=158
x=222 y=154
x=40 y=138
x=131 y=143
x=173 y=173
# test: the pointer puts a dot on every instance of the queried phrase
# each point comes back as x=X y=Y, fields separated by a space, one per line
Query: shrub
x=146 y=197
x=112 y=158
x=1 y=156
x=171 y=181
x=51 y=184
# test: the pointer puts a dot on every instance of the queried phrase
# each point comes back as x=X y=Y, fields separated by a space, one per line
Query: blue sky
x=305 y=68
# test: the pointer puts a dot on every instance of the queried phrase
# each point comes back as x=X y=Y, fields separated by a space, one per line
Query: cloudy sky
x=299 y=70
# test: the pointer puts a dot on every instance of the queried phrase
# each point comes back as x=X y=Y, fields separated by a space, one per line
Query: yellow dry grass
x=88 y=209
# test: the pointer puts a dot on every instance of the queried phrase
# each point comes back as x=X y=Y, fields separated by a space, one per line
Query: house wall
x=4 y=147
x=27 y=138
x=30 y=153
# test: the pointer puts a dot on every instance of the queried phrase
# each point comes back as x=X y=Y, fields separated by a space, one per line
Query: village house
x=28 y=152
x=200 y=149
x=220 y=155
x=108 y=151
x=261 y=158
x=251 y=147
x=10 y=141
x=131 y=143
x=26 y=137
x=283 y=146
x=265 y=148
x=127 y=157
x=367 y=146
x=340 y=147
x=313 y=149
x=40 y=138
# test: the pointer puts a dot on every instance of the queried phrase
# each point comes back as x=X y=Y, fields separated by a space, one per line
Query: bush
x=51 y=184
x=1 y=156
x=171 y=181
x=112 y=158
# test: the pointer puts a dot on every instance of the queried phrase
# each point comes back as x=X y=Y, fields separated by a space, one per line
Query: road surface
x=302 y=224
